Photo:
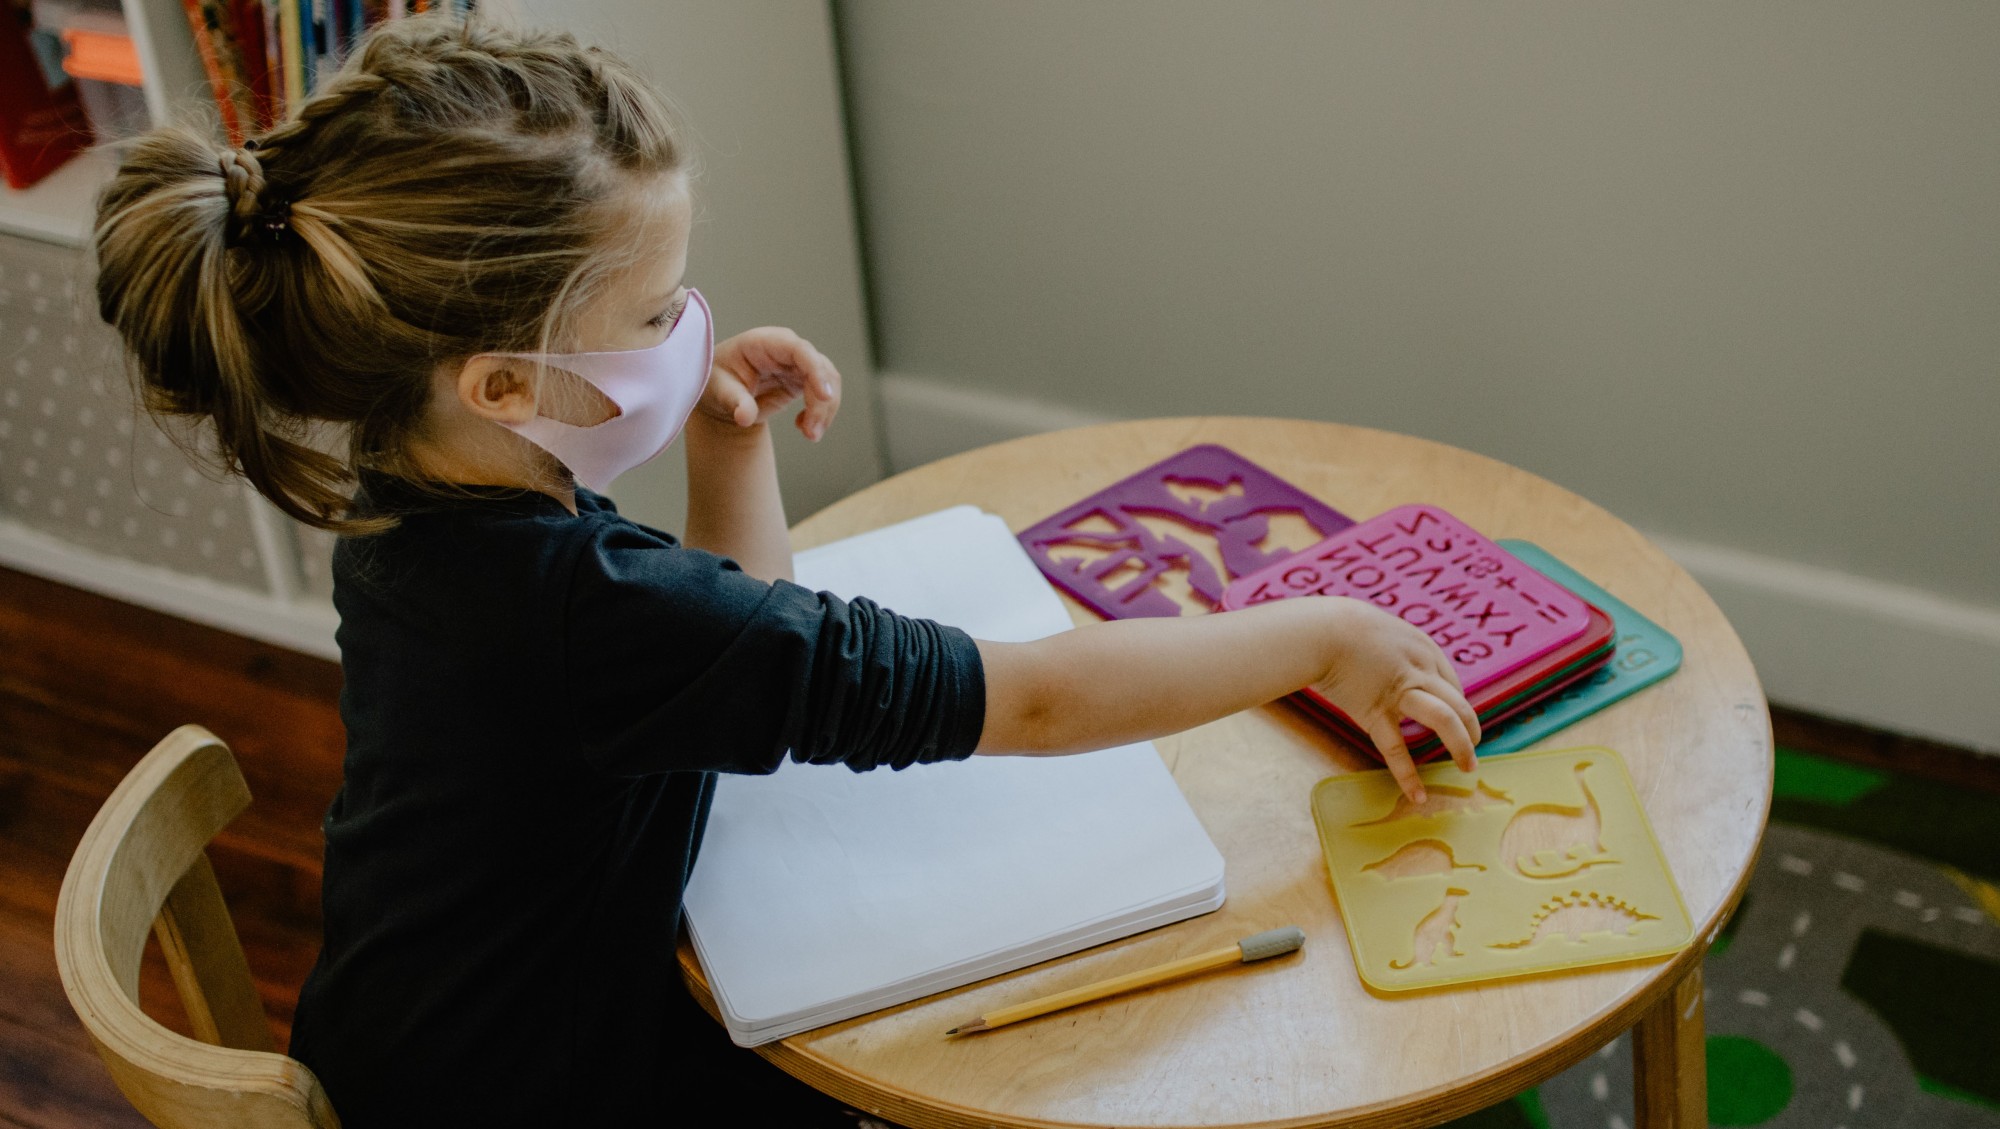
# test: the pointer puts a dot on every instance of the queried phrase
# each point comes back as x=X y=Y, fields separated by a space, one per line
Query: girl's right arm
x=1130 y=680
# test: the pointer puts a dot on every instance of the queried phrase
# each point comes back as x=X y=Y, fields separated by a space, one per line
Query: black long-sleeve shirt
x=535 y=704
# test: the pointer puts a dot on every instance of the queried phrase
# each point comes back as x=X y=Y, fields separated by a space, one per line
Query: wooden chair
x=143 y=863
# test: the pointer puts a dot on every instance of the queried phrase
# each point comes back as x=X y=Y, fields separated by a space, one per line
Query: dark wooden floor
x=88 y=684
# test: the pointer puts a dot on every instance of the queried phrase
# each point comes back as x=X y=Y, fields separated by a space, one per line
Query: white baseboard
x=304 y=624
x=1843 y=646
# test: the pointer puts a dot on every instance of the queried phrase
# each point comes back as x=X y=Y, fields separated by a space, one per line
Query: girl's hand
x=759 y=371
x=1389 y=670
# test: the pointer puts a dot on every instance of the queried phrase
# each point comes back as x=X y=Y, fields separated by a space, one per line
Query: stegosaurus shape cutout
x=1536 y=862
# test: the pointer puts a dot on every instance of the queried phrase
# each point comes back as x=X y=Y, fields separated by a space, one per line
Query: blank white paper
x=821 y=893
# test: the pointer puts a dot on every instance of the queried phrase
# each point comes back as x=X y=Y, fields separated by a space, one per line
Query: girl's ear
x=496 y=388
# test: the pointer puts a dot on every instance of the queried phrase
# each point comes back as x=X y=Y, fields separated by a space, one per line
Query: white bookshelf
x=58 y=208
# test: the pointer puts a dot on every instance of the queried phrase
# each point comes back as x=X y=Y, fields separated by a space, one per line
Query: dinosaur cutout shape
x=1577 y=915
x=1287 y=531
x=1440 y=799
x=1122 y=573
x=1186 y=540
x=1173 y=583
x=1464 y=894
x=1557 y=840
x=1095 y=522
x=1438 y=930
x=1198 y=495
x=1420 y=858
x=1082 y=554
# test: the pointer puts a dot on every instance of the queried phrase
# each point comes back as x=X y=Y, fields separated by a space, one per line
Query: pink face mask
x=655 y=390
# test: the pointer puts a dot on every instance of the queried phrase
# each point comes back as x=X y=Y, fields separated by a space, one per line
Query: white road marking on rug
x=1802 y=923
x=1854 y=1096
x=1845 y=1054
x=1908 y=900
x=1808 y=1020
x=1753 y=997
x=1616 y=1122
x=1851 y=882
x=1600 y=1086
x=1787 y=955
x=1968 y=914
x=1793 y=864
x=1931 y=914
x=1608 y=1049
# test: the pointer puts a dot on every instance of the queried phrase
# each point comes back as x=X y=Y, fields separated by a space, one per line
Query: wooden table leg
x=1670 y=1060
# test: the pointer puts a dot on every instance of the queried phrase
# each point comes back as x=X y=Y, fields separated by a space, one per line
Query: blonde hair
x=449 y=192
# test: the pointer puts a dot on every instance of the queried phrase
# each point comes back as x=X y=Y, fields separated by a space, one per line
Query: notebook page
x=817 y=885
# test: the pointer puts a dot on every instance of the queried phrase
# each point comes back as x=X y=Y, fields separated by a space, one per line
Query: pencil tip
x=953 y=1031
x=968 y=1028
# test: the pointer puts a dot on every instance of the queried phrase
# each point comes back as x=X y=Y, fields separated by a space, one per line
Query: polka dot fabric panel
x=315 y=555
x=78 y=458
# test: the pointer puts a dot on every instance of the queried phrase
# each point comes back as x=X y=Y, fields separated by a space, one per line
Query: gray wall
x=1732 y=271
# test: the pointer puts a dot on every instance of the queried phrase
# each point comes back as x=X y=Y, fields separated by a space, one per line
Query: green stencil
x=1645 y=654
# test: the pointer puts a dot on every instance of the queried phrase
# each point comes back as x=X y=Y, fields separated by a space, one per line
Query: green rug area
x=1760 y=1081
x=1869 y=991
x=1953 y=826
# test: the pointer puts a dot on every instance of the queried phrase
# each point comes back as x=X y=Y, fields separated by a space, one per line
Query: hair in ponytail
x=447 y=193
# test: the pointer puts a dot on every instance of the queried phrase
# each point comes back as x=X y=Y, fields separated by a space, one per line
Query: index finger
x=1427 y=709
x=1388 y=740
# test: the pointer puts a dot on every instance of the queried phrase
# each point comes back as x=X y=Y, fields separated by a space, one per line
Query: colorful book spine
x=314 y=12
x=214 y=28
x=291 y=38
x=247 y=18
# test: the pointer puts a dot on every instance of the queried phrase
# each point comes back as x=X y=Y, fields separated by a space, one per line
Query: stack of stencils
x=1514 y=636
x=1209 y=530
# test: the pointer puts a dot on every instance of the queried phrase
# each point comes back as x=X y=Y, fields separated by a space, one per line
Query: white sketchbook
x=821 y=894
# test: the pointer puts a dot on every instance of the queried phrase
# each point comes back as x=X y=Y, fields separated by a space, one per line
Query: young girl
x=466 y=254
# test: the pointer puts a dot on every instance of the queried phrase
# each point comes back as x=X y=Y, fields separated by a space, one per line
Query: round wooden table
x=1301 y=1042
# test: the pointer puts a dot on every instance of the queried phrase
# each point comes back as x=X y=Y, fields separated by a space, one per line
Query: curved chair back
x=143 y=864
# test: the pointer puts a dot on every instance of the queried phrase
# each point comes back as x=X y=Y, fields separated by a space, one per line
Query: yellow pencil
x=1273 y=943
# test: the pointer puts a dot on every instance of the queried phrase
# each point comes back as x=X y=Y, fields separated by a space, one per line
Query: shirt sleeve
x=675 y=659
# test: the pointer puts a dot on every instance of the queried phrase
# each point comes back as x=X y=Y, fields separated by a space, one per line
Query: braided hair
x=448 y=192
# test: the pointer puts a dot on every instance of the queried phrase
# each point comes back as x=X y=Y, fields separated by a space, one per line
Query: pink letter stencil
x=1488 y=611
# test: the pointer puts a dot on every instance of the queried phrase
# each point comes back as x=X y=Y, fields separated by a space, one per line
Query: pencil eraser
x=1275 y=942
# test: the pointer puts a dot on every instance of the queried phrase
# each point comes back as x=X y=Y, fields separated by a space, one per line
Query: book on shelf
x=261 y=59
x=223 y=58
x=42 y=123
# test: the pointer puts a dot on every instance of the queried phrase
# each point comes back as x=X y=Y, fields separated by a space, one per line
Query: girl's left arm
x=734 y=508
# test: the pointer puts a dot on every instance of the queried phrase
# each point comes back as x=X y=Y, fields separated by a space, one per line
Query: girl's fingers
x=822 y=396
x=1431 y=711
x=1388 y=738
x=745 y=412
x=1455 y=698
x=787 y=366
